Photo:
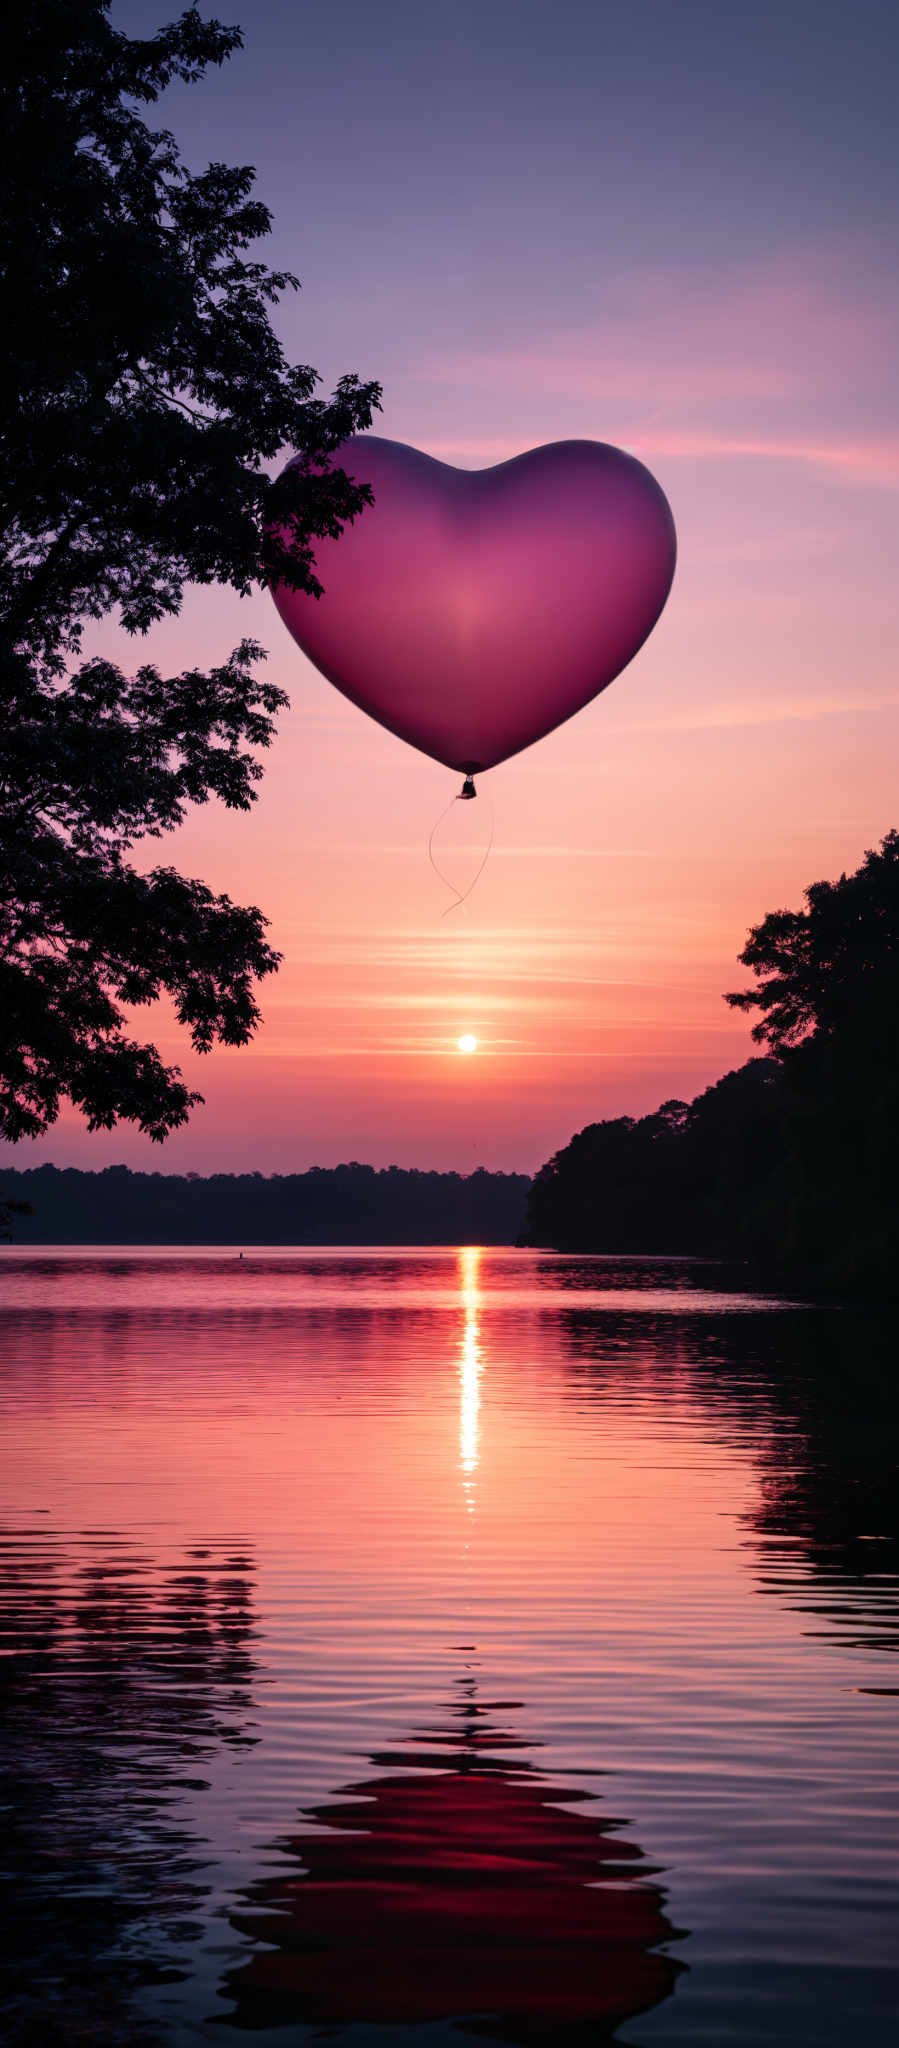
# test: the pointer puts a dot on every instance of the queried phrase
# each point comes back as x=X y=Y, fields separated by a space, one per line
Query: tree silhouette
x=148 y=396
x=791 y=1159
x=9 y=1209
x=828 y=990
x=830 y=971
x=690 y=1178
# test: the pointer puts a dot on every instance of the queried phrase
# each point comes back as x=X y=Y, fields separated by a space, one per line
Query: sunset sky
x=672 y=227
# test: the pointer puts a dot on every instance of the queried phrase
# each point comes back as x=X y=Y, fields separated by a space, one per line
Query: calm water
x=436 y=1646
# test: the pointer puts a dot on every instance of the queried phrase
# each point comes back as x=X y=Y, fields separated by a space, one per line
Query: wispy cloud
x=869 y=461
x=872 y=460
x=728 y=717
x=687 y=364
x=794 y=324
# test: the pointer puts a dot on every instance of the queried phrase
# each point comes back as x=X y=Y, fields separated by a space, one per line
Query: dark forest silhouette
x=349 y=1204
x=692 y=1177
x=791 y=1160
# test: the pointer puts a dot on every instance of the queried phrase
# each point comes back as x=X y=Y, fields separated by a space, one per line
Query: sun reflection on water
x=470 y=1367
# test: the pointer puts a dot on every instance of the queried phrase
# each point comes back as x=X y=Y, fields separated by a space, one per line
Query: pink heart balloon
x=471 y=611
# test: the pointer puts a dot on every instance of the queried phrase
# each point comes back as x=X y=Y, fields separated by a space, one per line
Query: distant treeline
x=349 y=1204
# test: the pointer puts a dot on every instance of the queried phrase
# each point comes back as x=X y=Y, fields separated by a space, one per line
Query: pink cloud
x=795 y=325
x=869 y=461
x=793 y=361
x=875 y=460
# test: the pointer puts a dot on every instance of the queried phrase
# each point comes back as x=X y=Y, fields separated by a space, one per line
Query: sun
x=467 y=1042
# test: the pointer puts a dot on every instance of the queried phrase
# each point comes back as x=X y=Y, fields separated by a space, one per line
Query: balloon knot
x=468 y=790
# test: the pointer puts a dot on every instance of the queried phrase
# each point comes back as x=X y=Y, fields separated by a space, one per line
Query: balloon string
x=434 y=831
x=463 y=898
x=461 y=895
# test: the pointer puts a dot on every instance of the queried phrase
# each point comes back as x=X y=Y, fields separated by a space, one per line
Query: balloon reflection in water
x=456 y=1885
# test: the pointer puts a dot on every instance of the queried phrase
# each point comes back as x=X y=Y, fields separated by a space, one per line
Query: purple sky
x=673 y=227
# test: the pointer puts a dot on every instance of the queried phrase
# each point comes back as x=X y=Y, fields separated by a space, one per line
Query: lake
x=445 y=1645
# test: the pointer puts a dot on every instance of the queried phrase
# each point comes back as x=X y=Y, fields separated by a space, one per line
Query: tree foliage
x=829 y=972
x=150 y=397
x=828 y=992
x=690 y=1177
